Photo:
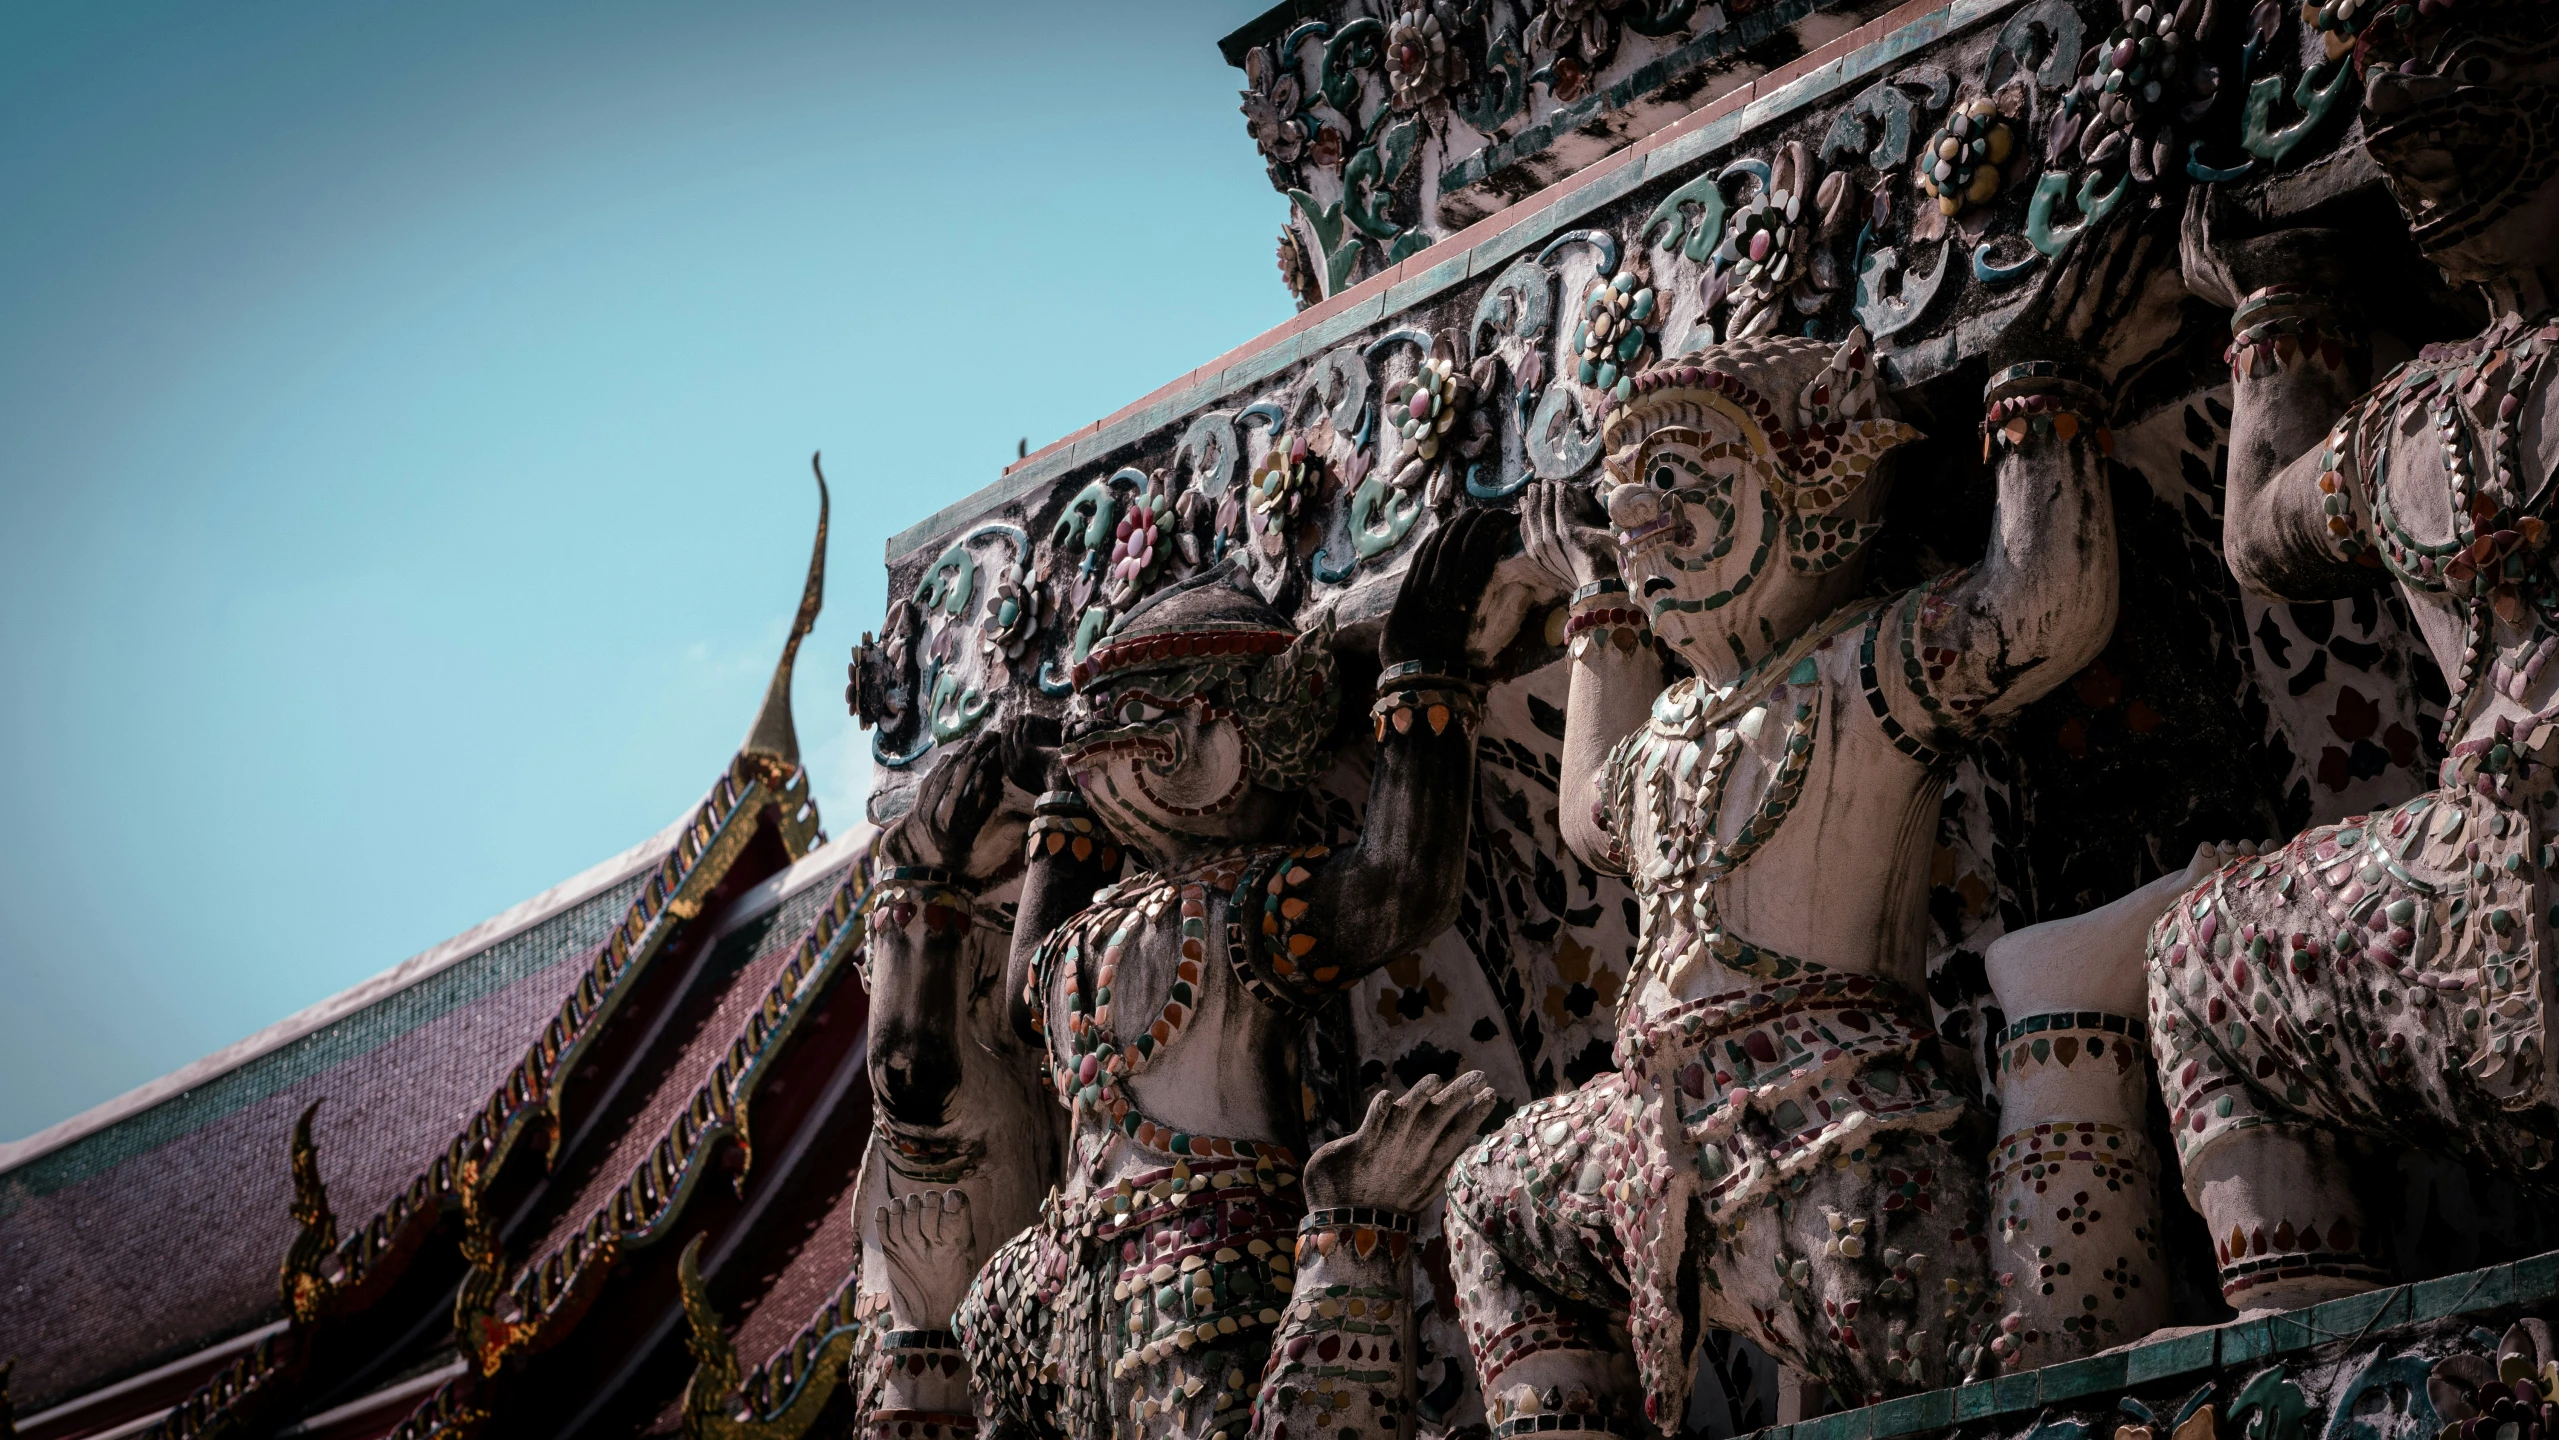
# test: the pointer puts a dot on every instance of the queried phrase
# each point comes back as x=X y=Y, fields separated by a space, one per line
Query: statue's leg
x=2279 y=1022
x=2074 y=1188
x=2074 y=1180
x=2287 y=1229
x=1004 y=1328
x=1865 y=1272
x=1814 y=1183
x=1186 y=1299
x=1541 y=1296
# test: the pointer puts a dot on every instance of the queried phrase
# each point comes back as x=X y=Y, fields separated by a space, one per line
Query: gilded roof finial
x=773 y=735
x=711 y=1398
x=303 y=1281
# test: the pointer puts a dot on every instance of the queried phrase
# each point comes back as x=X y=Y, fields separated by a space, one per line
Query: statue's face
x=1697 y=525
x=2466 y=132
x=1158 y=753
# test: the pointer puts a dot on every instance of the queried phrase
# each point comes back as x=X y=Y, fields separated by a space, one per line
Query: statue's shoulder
x=1676 y=709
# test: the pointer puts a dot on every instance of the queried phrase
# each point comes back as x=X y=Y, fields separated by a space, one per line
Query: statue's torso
x=1158 y=1269
x=1194 y=1065
x=1775 y=1035
x=2441 y=475
x=1771 y=830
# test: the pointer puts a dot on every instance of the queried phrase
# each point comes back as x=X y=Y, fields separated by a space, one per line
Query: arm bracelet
x=2043 y=377
x=1064 y=833
x=1436 y=706
x=2273 y=344
x=1404 y=674
x=1623 y=628
x=2279 y=324
x=1344 y=1217
x=2278 y=299
x=2014 y=418
x=1412 y=674
x=904 y=892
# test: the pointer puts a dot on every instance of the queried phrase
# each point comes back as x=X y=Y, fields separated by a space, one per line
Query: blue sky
x=405 y=414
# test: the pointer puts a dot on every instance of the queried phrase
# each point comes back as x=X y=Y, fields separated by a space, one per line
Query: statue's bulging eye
x=1665 y=477
x=1134 y=711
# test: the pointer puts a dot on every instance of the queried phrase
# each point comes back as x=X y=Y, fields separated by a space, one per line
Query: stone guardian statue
x=963 y=1142
x=1778 y=1153
x=2389 y=976
x=1171 y=1003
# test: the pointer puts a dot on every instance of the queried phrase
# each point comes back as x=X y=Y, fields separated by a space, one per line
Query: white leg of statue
x=2074 y=1179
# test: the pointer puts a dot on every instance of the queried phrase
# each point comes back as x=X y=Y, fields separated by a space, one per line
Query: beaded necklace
x=1689 y=732
x=2486 y=565
x=1092 y=1073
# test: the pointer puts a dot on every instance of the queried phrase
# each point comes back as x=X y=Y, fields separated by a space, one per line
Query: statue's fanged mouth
x=1669 y=527
x=2458 y=163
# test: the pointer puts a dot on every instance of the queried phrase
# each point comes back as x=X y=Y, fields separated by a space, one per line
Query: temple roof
x=763 y=1051
x=150 y=1247
x=152 y=1224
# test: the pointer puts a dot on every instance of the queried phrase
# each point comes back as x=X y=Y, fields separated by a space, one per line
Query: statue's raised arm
x=1962 y=653
x=1398 y=884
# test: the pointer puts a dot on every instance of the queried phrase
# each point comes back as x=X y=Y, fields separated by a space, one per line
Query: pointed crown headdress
x=1809 y=410
x=1278 y=683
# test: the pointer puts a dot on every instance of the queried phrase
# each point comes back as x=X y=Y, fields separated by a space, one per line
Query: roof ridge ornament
x=773 y=737
x=304 y=1278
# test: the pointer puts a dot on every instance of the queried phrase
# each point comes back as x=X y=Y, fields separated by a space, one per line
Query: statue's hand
x=959 y=795
x=1397 y=1156
x=1030 y=753
x=1563 y=529
x=931 y=1250
x=2222 y=267
x=2087 y=305
x=1435 y=607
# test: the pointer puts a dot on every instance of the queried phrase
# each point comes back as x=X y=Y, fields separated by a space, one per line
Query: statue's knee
x=2288 y=1227
x=1483 y=1187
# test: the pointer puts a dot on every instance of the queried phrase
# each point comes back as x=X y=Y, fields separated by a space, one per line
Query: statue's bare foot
x=1403 y=1147
x=2093 y=961
x=2146 y=904
x=930 y=1246
x=2210 y=857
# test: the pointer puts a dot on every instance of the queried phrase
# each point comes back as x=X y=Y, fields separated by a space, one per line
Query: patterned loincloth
x=1152 y=1303
x=2385 y=976
x=1723 y=1108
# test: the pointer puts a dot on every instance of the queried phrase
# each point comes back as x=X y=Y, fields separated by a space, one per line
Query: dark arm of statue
x=1070 y=857
x=1399 y=885
x=2283 y=399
